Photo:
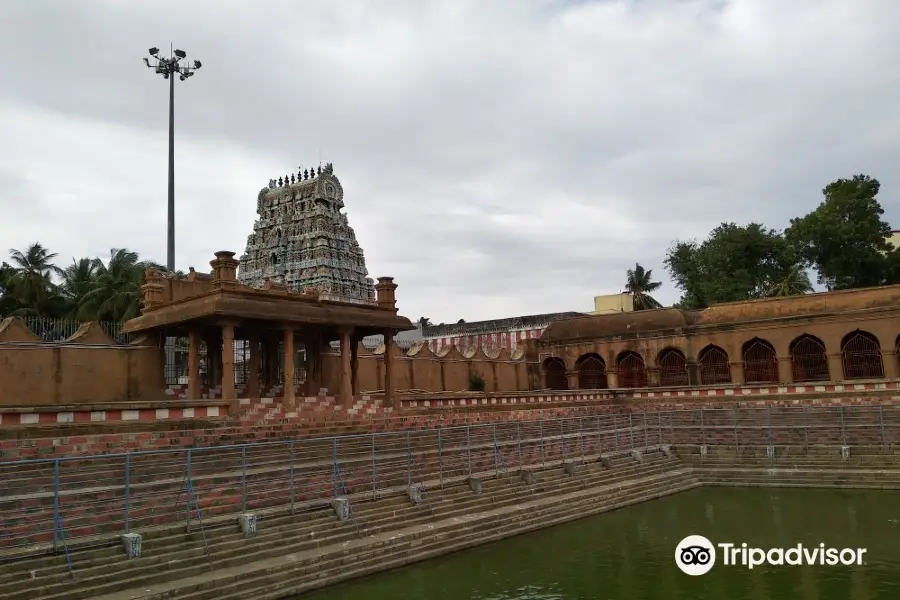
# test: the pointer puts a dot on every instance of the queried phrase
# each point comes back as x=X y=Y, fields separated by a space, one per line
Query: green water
x=630 y=554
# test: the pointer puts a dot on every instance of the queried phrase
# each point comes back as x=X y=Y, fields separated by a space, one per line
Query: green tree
x=116 y=294
x=734 y=263
x=8 y=301
x=78 y=279
x=639 y=283
x=32 y=282
x=845 y=238
x=424 y=322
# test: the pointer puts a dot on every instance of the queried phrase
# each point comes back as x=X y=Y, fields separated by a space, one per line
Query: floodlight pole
x=168 y=68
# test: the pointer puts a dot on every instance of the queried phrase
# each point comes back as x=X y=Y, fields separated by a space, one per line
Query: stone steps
x=267 y=484
x=379 y=516
x=333 y=564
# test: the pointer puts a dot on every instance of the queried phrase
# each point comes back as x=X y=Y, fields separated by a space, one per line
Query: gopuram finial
x=279 y=182
x=305 y=173
x=292 y=178
x=320 y=170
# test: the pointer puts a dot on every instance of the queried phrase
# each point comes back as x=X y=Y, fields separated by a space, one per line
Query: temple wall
x=421 y=370
x=88 y=368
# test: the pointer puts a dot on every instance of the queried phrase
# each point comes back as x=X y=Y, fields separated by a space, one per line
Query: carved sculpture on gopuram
x=302 y=239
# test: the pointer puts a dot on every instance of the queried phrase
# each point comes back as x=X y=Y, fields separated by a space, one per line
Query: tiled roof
x=496 y=325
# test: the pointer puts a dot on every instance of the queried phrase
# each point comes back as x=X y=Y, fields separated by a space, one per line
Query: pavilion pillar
x=785 y=370
x=891 y=364
x=253 y=374
x=354 y=365
x=835 y=367
x=193 y=365
x=289 y=365
x=388 y=369
x=228 y=361
x=313 y=353
x=346 y=385
x=737 y=373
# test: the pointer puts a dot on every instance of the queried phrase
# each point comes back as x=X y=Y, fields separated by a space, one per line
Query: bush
x=476 y=383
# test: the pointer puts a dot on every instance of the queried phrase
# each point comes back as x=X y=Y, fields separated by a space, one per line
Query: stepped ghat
x=303 y=240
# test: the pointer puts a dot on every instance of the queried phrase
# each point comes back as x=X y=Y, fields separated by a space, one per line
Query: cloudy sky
x=498 y=157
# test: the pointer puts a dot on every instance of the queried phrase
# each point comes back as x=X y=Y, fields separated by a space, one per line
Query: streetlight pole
x=169 y=68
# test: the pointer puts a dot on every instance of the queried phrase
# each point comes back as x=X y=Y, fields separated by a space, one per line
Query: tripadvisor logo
x=696 y=555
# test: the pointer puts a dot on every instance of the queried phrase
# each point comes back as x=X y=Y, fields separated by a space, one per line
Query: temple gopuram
x=304 y=241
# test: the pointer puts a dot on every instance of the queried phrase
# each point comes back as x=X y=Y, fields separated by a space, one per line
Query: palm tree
x=33 y=275
x=116 y=295
x=639 y=283
x=8 y=301
x=78 y=279
x=795 y=283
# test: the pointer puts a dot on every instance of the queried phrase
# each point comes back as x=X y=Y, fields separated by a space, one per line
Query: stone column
x=612 y=379
x=652 y=376
x=346 y=386
x=835 y=367
x=737 y=373
x=354 y=365
x=693 y=374
x=289 y=365
x=228 y=361
x=891 y=366
x=388 y=369
x=572 y=379
x=785 y=370
x=193 y=365
x=253 y=368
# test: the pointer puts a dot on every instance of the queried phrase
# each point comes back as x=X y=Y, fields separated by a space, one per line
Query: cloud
x=497 y=158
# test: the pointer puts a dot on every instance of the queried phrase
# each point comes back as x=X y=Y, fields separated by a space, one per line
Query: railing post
x=581 y=436
x=599 y=436
x=243 y=478
x=519 y=443
x=881 y=423
x=805 y=428
x=56 y=539
x=440 y=458
x=631 y=428
x=563 y=440
x=189 y=490
x=646 y=432
x=843 y=430
x=469 y=448
x=737 y=445
x=659 y=436
x=334 y=468
x=541 y=434
x=615 y=434
x=408 y=458
x=496 y=451
x=127 y=492
x=293 y=489
x=769 y=425
x=702 y=428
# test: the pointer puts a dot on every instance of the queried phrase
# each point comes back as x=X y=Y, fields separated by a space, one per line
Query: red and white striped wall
x=500 y=339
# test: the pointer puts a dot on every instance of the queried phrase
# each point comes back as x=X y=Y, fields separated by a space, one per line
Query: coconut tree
x=794 y=283
x=116 y=294
x=639 y=283
x=33 y=272
x=78 y=279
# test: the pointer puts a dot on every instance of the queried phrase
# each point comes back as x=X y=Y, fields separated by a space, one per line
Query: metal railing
x=100 y=497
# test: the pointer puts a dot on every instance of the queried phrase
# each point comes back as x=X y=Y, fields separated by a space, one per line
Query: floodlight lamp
x=153 y=51
x=146 y=61
x=180 y=53
x=182 y=78
x=197 y=64
x=166 y=75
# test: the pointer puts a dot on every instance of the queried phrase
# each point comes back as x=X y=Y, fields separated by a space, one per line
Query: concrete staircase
x=311 y=548
x=821 y=467
x=228 y=480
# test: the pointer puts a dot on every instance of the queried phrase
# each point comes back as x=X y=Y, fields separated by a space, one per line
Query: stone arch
x=861 y=356
x=713 y=366
x=591 y=372
x=809 y=360
x=760 y=361
x=672 y=367
x=631 y=370
x=555 y=374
